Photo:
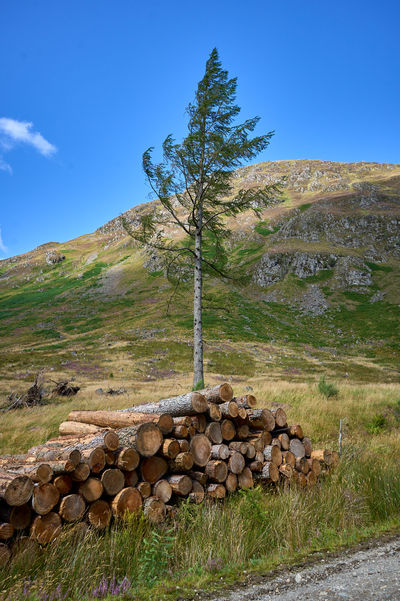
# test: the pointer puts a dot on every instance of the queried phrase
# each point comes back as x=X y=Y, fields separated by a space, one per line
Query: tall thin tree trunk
x=198 y=374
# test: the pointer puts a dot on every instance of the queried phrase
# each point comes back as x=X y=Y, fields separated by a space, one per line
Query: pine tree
x=194 y=186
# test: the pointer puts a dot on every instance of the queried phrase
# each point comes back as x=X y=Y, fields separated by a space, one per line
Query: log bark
x=270 y=472
x=170 y=448
x=231 y=482
x=213 y=432
x=219 y=394
x=154 y=510
x=216 y=470
x=162 y=490
x=229 y=409
x=39 y=472
x=122 y=419
x=297 y=447
x=91 y=490
x=76 y=428
x=146 y=439
x=45 y=528
x=48 y=454
x=184 y=445
x=183 y=462
x=261 y=419
x=72 y=508
x=200 y=449
x=113 y=480
x=256 y=465
x=153 y=469
x=127 y=459
x=247 y=401
x=216 y=491
x=15 y=490
x=236 y=462
x=200 y=477
x=219 y=451
x=274 y=454
x=228 y=429
x=44 y=498
x=99 y=514
x=199 y=422
x=180 y=431
x=245 y=478
x=197 y=493
x=239 y=446
x=128 y=500
x=181 y=484
x=189 y=403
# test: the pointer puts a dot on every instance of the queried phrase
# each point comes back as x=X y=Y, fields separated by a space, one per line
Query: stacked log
x=199 y=445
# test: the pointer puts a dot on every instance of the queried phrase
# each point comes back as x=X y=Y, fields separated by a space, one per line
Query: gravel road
x=370 y=574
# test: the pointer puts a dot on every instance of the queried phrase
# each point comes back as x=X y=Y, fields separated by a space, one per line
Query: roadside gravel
x=369 y=574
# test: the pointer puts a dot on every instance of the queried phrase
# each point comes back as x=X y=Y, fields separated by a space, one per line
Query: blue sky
x=87 y=86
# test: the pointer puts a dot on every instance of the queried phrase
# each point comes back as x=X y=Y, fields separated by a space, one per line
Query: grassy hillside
x=105 y=315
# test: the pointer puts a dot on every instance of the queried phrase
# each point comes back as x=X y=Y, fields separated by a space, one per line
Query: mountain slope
x=322 y=296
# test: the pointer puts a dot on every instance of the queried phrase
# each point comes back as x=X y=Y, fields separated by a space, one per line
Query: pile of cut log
x=200 y=445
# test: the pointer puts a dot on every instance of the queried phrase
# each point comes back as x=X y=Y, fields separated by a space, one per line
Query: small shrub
x=327 y=389
x=377 y=424
x=199 y=385
x=154 y=557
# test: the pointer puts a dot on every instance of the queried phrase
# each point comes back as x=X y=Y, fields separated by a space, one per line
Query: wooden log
x=259 y=456
x=217 y=470
x=184 y=420
x=256 y=465
x=228 y=430
x=314 y=465
x=243 y=432
x=274 y=454
x=270 y=472
x=105 y=439
x=37 y=472
x=197 y=493
x=6 y=530
x=245 y=478
x=184 y=445
x=113 y=480
x=180 y=431
x=154 y=510
x=45 y=528
x=121 y=419
x=146 y=439
x=323 y=455
x=99 y=514
x=238 y=445
x=296 y=431
x=261 y=419
x=219 y=394
x=15 y=490
x=63 y=483
x=335 y=458
x=192 y=431
x=242 y=413
x=311 y=478
x=297 y=447
x=127 y=459
x=131 y=478
x=110 y=458
x=49 y=453
x=170 y=448
x=251 y=451
x=128 y=500
x=216 y=491
x=24 y=551
x=183 y=462
x=276 y=442
x=189 y=403
x=181 y=484
x=76 y=428
x=95 y=458
x=214 y=412
x=302 y=465
x=199 y=422
x=144 y=488
x=213 y=432
x=229 y=409
x=200 y=449
x=247 y=401
x=44 y=498
x=162 y=490
x=236 y=462
x=81 y=472
x=289 y=458
x=5 y=555
x=280 y=417
x=284 y=440
x=219 y=451
x=153 y=468
x=260 y=441
x=200 y=477
x=231 y=482
x=286 y=470
x=91 y=490
x=72 y=508
x=307 y=446
x=18 y=516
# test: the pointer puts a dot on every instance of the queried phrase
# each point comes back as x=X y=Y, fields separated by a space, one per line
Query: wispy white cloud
x=13 y=132
x=3 y=247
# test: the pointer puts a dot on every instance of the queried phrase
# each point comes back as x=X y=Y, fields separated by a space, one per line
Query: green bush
x=377 y=424
x=327 y=389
